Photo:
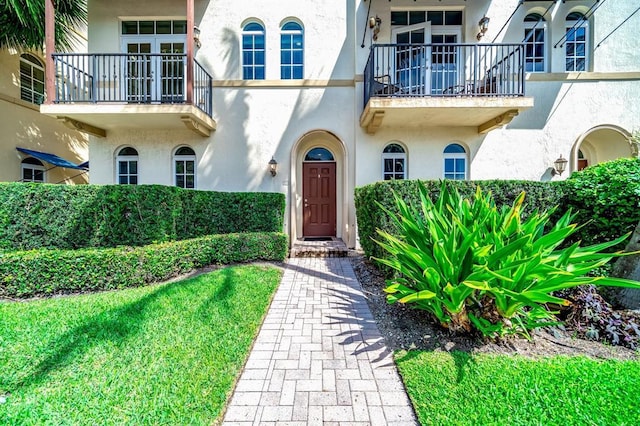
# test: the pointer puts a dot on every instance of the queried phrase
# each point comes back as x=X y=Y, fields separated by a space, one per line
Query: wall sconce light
x=273 y=167
x=559 y=166
x=196 y=37
x=374 y=24
x=483 y=26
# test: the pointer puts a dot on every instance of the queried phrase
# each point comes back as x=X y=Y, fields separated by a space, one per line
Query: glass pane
x=247 y=73
x=133 y=167
x=38 y=175
x=259 y=42
x=319 y=154
x=399 y=18
x=291 y=26
x=180 y=181
x=453 y=17
x=285 y=41
x=460 y=165
x=297 y=41
x=393 y=147
x=539 y=36
x=399 y=176
x=259 y=57
x=259 y=73
x=539 y=50
x=297 y=57
x=247 y=58
x=133 y=180
x=416 y=17
x=191 y=165
x=253 y=26
x=399 y=165
x=448 y=165
x=180 y=167
x=163 y=27
x=247 y=42
x=129 y=27
x=297 y=72
x=571 y=49
x=388 y=165
x=147 y=27
x=571 y=34
x=454 y=148
x=388 y=177
x=285 y=57
x=191 y=182
x=122 y=180
x=417 y=37
x=285 y=73
x=122 y=168
x=581 y=34
x=402 y=38
x=581 y=65
x=580 y=49
x=436 y=18
x=179 y=27
x=569 y=65
x=538 y=65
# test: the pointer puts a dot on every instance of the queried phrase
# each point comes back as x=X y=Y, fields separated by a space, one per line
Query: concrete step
x=313 y=247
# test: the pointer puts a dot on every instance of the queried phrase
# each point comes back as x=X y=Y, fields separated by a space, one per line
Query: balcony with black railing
x=131 y=90
x=481 y=85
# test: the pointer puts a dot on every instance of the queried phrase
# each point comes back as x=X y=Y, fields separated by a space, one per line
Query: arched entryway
x=318 y=207
x=600 y=144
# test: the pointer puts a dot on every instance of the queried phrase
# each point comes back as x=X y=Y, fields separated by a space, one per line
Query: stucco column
x=49 y=47
x=190 y=48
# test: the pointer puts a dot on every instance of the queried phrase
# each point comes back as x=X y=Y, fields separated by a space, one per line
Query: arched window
x=455 y=162
x=394 y=162
x=535 y=42
x=127 y=166
x=184 y=161
x=576 y=43
x=31 y=79
x=291 y=51
x=253 y=51
x=583 y=162
x=319 y=154
x=32 y=170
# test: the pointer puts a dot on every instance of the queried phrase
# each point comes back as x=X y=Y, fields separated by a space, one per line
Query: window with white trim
x=535 y=43
x=32 y=170
x=291 y=51
x=576 y=43
x=184 y=163
x=127 y=166
x=253 y=51
x=455 y=162
x=31 y=79
x=394 y=162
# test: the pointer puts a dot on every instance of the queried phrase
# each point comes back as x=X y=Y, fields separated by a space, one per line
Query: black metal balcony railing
x=444 y=70
x=130 y=78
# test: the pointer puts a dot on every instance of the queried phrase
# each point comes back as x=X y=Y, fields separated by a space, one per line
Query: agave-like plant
x=22 y=23
x=473 y=265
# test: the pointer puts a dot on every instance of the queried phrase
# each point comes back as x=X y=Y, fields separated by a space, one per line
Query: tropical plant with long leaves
x=22 y=23
x=473 y=265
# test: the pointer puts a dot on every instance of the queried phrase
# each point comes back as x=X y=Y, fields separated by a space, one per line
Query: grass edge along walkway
x=161 y=354
x=470 y=389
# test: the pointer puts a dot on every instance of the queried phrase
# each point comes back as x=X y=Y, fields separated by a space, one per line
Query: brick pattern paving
x=319 y=358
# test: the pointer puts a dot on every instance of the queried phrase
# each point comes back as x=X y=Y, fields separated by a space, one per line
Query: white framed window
x=31 y=79
x=127 y=166
x=394 y=162
x=535 y=43
x=253 y=51
x=455 y=162
x=576 y=43
x=32 y=170
x=184 y=167
x=291 y=51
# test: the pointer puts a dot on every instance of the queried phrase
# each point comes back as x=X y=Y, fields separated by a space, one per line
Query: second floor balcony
x=427 y=85
x=97 y=92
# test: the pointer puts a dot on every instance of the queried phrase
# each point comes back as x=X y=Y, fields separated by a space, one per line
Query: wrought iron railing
x=142 y=78
x=444 y=70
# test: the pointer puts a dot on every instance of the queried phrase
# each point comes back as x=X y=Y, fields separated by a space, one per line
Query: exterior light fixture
x=273 y=167
x=483 y=26
x=196 y=37
x=374 y=24
x=559 y=166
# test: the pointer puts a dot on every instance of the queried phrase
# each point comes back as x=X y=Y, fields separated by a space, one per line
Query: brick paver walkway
x=319 y=357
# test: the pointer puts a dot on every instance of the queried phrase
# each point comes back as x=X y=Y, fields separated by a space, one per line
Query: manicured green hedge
x=46 y=272
x=607 y=198
x=69 y=217
x=540 y=195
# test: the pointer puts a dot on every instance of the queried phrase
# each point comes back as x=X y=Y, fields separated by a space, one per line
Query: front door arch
x=602 y=143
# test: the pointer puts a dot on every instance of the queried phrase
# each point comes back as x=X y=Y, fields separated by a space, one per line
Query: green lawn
x=164 y=354
x=461 y=389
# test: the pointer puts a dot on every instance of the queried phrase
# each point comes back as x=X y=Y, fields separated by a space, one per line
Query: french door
x=413 y=58
x=154 y=70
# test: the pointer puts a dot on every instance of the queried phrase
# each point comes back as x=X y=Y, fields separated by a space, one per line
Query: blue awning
x=52 y=159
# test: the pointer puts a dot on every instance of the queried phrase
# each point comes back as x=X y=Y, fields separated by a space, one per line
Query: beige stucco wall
x=23 y=126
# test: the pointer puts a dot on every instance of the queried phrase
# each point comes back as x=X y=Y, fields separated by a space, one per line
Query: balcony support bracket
x=196 y=126
x=499 y=121
x=82 y=127
x=375 y=122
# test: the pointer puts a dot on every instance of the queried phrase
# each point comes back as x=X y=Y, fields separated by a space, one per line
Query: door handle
x=305 y=202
